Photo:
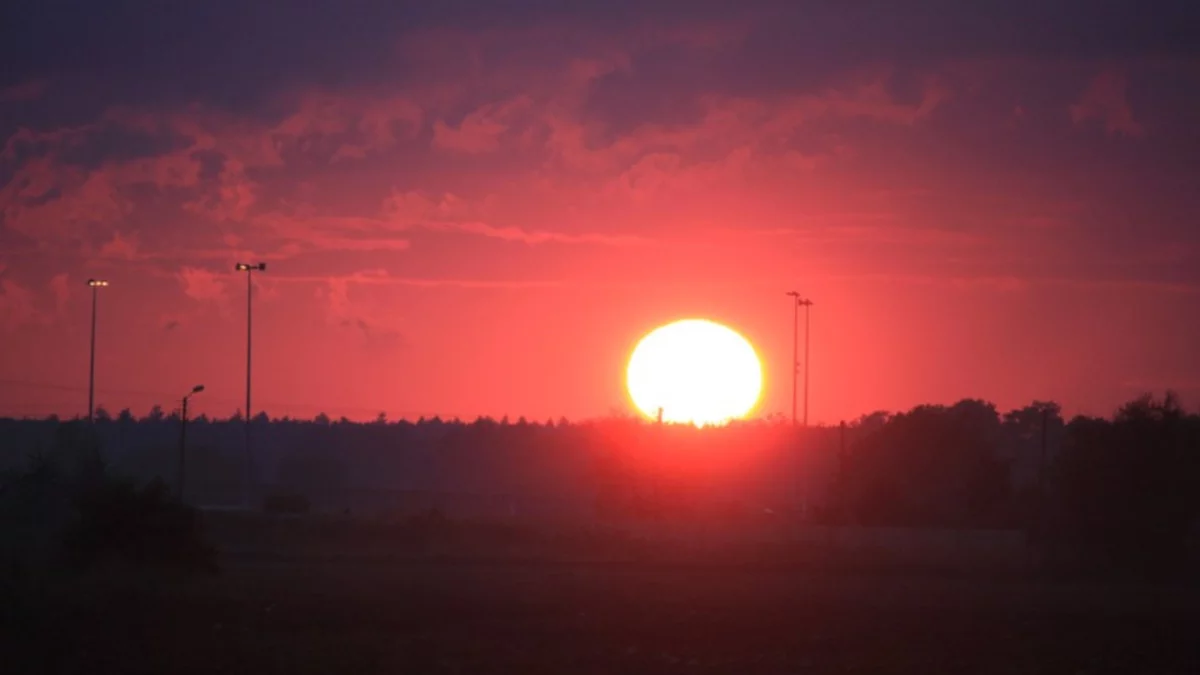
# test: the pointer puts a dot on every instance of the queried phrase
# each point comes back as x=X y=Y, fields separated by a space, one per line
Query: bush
x=116 y=519
x=1126 y=492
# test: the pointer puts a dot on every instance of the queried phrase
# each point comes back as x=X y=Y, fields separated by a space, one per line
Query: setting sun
x=695 y=371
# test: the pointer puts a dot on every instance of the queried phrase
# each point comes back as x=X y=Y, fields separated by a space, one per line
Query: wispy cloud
x=29 y=90
x=339 y=285
x=16 y=305
x=1015 y=283
x=533 y=237
x=1105 y=101
x=203 y=285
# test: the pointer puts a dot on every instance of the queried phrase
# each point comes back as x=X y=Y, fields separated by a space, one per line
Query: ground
x=262 y=617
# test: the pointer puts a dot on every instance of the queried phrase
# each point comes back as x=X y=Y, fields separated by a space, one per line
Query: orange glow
x=695 y=371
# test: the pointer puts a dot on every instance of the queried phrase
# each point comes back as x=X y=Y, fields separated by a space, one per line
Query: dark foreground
x=261 y=618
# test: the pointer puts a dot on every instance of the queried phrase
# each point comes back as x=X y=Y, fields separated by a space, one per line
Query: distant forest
x=1107 y=485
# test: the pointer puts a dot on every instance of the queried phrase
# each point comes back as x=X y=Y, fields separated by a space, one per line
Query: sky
x=477 y=208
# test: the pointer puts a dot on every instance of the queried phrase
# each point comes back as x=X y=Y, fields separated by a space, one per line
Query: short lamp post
x=183 y=420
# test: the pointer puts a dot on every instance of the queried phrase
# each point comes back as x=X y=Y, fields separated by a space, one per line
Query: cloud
x=334 y=289
x=120 y=247
x=339 y=126
x=1012 y=283
x=532 y=237
x=22 y=306
x=30 y=90
x=481 y=130
x=295 y=233
x=360 y=316
x=46 y=201
x=1105 y=101
x=658 y=173
x=410 y=208
x=16 y=305
x=450 y=213
x=203 y=285
x=230 y=198
x=763 y=126
x=60 y=289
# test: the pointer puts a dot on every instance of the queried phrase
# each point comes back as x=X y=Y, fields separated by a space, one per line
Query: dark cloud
x=235 y=54
x=211 y=162
x=626 y=98
x=115 y=143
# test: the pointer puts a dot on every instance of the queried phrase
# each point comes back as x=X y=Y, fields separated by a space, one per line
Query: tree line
x=1119 y=491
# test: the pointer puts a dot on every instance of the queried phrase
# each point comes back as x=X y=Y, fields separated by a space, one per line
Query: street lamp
x=94 y=284
x=249 y=270
x=183 y=419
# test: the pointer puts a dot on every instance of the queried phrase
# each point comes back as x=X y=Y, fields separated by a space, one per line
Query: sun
x=696 y=371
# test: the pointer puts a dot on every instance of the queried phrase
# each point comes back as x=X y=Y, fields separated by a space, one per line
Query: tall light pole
x=249 y=270
x=797 y=303
x=795 y=347
x=94 y=284
x=183 y=419
x=807 y=304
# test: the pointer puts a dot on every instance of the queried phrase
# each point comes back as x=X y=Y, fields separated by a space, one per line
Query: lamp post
x=183 y=420
x=799 y=302
x=249 y=270
x=795 y=342
x=807 y=304
x=94 y=284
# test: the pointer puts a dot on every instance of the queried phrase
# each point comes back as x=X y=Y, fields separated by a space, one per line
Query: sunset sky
x=478 y=209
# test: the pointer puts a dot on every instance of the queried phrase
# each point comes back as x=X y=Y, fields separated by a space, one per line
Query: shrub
x=116 y=519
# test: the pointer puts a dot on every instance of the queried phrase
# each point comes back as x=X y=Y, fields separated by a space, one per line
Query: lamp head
x=197 y=389
x=97 y=282
x=243 y=267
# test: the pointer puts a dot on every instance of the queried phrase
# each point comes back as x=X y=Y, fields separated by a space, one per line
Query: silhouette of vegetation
x=64 y=507
x=1118 y=494
x=1126 y=492
x=116 y=519
x=932 y=466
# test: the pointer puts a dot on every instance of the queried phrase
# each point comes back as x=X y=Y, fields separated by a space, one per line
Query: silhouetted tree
x=1127 y=491
x=931 y=466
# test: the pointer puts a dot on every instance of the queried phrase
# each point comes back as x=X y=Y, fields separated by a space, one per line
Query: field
x=306 y=614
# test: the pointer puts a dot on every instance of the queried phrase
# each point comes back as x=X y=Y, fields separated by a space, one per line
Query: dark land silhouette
x=945 y=538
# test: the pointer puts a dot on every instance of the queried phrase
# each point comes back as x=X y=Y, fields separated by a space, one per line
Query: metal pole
x=183 y=420
x=795 y=354
x=807 y=304
x=249 y=319
x=841 y=470
x=92 y=362
x=1042 y=459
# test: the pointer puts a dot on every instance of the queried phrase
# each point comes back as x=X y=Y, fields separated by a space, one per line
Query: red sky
x=480 y=217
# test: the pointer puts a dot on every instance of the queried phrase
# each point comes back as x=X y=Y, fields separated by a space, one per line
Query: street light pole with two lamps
x=798 y=303
x=94 y=284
